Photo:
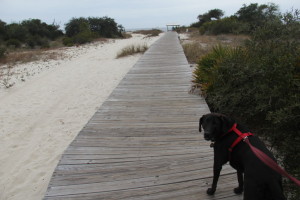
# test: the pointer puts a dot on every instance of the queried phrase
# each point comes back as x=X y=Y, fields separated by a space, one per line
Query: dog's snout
x=206 y=135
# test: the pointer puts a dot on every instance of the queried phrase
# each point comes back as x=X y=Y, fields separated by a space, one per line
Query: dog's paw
x=211 y=191
x=238 y=190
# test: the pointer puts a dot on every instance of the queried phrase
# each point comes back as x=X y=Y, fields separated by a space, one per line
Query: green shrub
x=105 y=27
x=259 y=84
x=2 y=52
x=16 y=31
x=255 y=15
x=209 y=66
x=14 y=43
x=246 y=20
x=99 y=27
x=228 y=25
x=37 y=41
x=76 y=25
x=36 y=27
x=31 y=42
x=83 y=37
x=44 y=43
x=67 y=41
x=84 y=30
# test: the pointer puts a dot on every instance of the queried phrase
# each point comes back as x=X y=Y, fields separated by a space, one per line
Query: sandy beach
x=48 y=105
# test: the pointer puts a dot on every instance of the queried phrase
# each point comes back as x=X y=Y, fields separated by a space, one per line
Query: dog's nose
x=206 y=135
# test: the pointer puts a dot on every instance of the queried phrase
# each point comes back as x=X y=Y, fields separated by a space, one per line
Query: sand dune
x=40 y=116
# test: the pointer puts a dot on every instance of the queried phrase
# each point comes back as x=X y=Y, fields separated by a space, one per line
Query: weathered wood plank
x=143 y=143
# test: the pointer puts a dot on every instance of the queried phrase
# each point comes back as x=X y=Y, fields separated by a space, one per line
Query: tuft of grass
x=212 y=40
x=126 y=35
x=8 y=62
x=194 y=50
x=5 y=76
x=198 y=45
x=132 y=49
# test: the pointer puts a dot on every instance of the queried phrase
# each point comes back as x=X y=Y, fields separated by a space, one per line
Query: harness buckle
x=245 y=138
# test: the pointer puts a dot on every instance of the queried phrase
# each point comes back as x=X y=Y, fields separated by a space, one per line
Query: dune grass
x=194 y=50
x=132 y=49
x=26 y=56
x=149 y=33
x=199 y=45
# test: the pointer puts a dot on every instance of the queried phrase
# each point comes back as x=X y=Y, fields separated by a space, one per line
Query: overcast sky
x=129 y=13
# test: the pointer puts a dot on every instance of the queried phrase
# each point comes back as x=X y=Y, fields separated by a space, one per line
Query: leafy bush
x=31 y=32
x=36 y=27
x=67 y=41
x=259 y=84
x=14 y=43
x=83 y=30
x=34 y=41
x=83 y=37
x=16 y=31
x=209 y=66
x=257 y=15
x=76 y=25
x=2 y=30
x=105 y=27
x=2 y=52
x=224 y=26
x=208 y=17
x=246 y=19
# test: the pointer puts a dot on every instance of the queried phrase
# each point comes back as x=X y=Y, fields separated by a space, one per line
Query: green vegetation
x=208 y=17
x=83 y=30
x=29 y=33
x=245 y=20
x=19 y=39
x=34 y=33
x=193 y=50
x=132 y=49
x=150 y=33
x=258 y=82
x=203 y=44
x=2 y=52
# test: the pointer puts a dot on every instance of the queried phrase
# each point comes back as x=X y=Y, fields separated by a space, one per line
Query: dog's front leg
x=240 y=178
x=217 y=170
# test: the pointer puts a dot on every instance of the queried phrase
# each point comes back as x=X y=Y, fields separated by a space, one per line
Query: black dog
x=256 y=179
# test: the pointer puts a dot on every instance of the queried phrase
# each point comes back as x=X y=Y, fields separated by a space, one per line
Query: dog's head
x=214 y=125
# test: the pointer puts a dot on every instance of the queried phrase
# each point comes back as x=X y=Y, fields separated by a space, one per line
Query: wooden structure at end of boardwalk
x=171 y=27
x=143 y=143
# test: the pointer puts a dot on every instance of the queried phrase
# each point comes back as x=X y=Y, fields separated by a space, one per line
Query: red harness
x=261 y=155
x=242 y=136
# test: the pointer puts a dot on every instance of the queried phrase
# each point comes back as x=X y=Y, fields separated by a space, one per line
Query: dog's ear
x=226 y=123
x=200 y=123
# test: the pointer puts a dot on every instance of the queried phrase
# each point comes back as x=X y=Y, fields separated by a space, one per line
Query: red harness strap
x=261 y=155
x=242 y=136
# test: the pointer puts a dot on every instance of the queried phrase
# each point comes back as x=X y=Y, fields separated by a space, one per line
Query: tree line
x=244 y=21
x=34 y=33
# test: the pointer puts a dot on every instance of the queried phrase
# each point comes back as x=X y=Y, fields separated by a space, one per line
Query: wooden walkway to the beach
x=143 y=143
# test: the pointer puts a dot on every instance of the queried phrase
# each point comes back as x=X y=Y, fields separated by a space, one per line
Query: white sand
x=42 y=113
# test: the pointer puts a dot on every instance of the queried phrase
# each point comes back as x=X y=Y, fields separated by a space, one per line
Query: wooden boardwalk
x=143 y=143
